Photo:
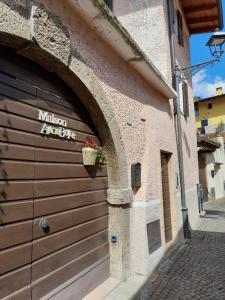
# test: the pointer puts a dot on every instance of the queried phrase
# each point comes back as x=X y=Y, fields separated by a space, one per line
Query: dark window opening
x=204 y=122
x=180 y=31
x=109 y=3
x=209 y=105
x=197 y=109
x=185 y=99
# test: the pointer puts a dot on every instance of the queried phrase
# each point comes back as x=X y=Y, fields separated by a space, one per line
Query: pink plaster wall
x=145 y=117
x=147 y=22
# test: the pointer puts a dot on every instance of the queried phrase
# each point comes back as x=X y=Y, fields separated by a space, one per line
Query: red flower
x=91 y=144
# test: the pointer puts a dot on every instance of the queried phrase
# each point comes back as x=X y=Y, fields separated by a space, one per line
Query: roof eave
x=204 y=24
x=107 y=26
x=220 y=13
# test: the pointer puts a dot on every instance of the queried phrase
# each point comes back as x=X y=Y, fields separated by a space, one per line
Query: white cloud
x=205 y=88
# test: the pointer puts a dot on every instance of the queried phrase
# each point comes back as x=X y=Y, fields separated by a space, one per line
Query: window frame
x=204 y=120
x=197 y=111
x=209 y=103
x=185 y=99
x=180 y=29
x=109 y=3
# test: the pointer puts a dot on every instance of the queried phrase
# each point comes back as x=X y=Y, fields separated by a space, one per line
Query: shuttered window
x=184 y=103
x=185 y=99
x=181 y=97
x=180 y=32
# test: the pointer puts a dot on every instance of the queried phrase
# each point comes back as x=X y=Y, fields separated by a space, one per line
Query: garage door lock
x=43 y=223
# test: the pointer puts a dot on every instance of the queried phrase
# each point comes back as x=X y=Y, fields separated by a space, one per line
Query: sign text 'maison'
x=60 y=131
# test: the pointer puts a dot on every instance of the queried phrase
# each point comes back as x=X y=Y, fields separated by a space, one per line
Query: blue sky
x=206 y=81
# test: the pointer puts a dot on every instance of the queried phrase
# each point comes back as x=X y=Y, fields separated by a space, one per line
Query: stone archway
x=37 y=34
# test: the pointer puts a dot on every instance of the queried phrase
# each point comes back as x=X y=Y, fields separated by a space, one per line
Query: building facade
x=105 y=75
x=211 y=160
x=209 y=113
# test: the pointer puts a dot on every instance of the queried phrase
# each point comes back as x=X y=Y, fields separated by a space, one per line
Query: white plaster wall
x=218 y=158
x=147 y=23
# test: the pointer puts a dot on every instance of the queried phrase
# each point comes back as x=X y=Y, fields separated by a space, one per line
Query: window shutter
x=181 y=96
x=185 y=99
x=109 y=3
x=180 y=31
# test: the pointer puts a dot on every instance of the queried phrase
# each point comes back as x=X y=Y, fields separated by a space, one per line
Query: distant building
x=210 y=113
x=211 y=160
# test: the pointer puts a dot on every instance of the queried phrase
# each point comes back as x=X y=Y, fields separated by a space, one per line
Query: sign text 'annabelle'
x=52 y=130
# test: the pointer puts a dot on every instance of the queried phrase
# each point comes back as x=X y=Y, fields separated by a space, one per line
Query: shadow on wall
x=187 y=147
x=126 y=7
x=20 y=6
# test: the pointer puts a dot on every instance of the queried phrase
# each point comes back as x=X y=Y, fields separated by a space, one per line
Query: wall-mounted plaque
x=154 y=236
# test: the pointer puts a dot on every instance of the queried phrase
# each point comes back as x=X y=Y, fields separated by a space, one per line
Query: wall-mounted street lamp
x=216 y=44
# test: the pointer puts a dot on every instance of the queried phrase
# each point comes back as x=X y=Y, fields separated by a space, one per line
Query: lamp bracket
x=188 y=72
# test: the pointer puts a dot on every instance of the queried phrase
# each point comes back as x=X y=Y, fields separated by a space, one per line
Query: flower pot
x=89 y=156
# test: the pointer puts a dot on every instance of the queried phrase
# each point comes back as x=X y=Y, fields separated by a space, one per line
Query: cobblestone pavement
x=196 y=269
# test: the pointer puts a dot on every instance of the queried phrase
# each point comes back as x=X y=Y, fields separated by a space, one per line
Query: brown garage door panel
x=16 y=152
x=51 y=143
x=16 y=211
x=15 y=257
x=15 y=234
x=71 y=218
x=59 y=258
x=16 y=170
x=14 y=281
x=57 y=100
x=68 y=271
x=11 y=121
x=13 y=93
x=23 y=138
x=59 y=187
x=54 y=242
x=25 y=110
x=18 y=123
x=61 y=110
x=17 y=84
x=23 y=294
x=71 y=123
x=43 y=176
x=15 y=136
x=14 y=190
x=55 y=170
x=58 y=156
x=18 y=108
x=45 y=206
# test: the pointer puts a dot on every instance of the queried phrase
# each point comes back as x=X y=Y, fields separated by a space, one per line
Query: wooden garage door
x=42 y=176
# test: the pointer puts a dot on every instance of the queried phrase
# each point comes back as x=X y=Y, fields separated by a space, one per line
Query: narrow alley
x=196 y=269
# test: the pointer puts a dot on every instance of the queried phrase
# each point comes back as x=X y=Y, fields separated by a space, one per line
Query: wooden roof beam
x=202 y=19
x=202 y=29
x=192 y=9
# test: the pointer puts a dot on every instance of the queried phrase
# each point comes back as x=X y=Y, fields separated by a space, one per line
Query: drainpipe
x=176 y=81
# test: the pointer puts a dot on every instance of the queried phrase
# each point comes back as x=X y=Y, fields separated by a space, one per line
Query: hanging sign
x=60 y=131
